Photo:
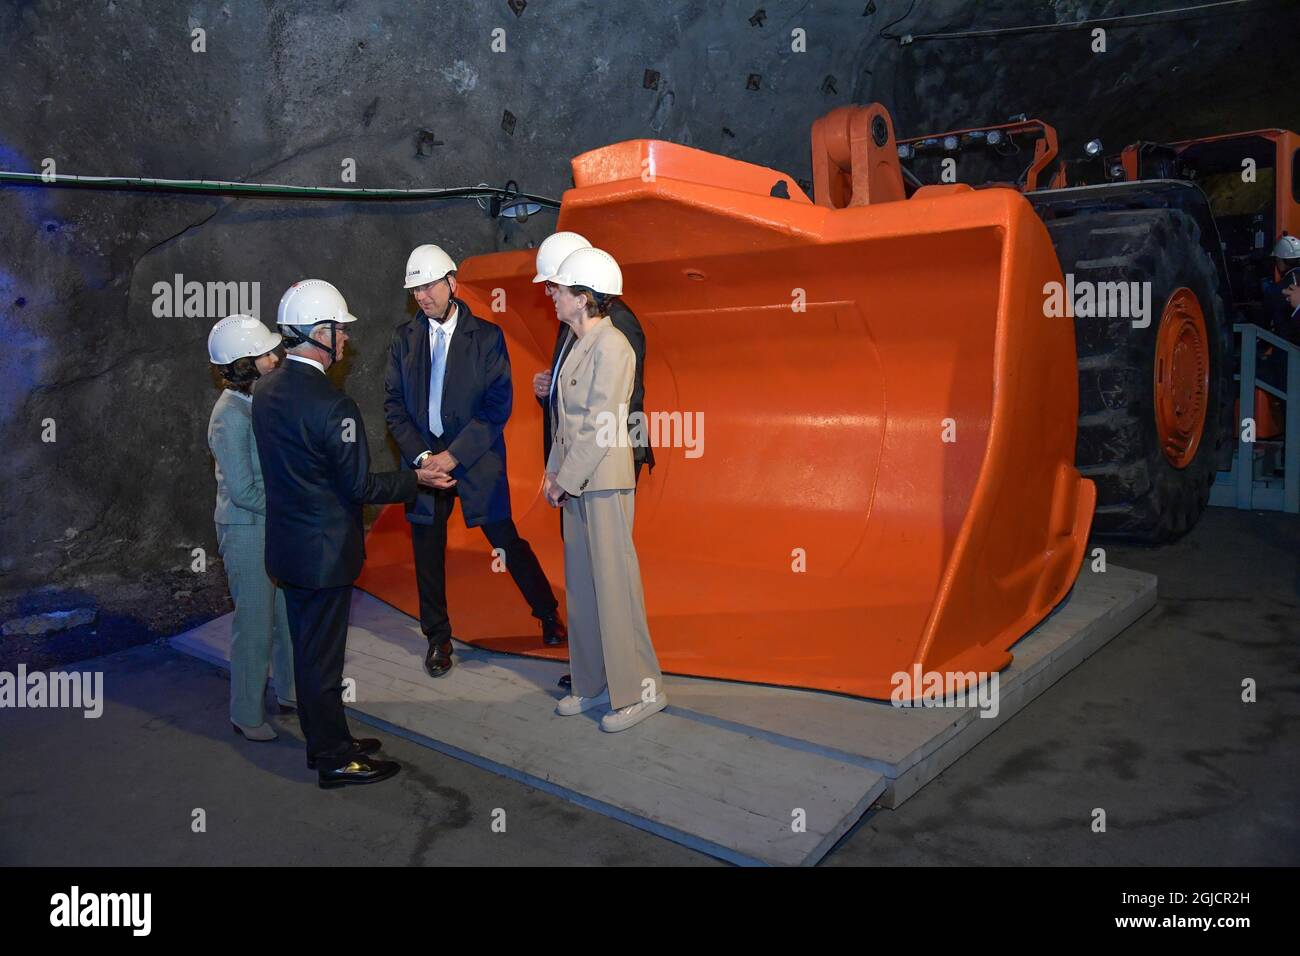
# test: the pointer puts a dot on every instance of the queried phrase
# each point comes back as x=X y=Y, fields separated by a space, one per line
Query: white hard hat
x=554 y=249
x=309 y=301
x=427 y=263
x=1288 y=247
x=593 y=269
x=239 y=336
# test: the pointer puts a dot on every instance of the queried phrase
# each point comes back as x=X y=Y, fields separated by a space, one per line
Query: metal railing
x=1238 y=487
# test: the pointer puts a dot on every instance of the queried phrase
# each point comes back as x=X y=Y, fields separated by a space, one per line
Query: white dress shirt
x=448 y=329
x=306 y=361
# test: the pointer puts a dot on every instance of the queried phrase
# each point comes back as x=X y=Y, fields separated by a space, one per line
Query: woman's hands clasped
x=554 y=494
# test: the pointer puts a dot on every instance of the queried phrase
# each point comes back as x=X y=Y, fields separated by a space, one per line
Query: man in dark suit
x=448 y=399
x=311 y=443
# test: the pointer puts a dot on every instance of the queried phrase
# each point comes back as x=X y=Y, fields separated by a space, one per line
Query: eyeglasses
x=428 y=286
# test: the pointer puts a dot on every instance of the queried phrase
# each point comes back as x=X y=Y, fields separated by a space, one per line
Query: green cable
x=270 y=189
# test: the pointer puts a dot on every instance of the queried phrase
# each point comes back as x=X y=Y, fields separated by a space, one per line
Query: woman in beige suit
x=244 y=349
x=590 y=474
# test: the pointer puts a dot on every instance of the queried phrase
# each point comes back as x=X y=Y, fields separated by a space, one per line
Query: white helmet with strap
x=593 y=269
x=554 y=249
x=427 y=263
x=239 y=336
x=306 y=304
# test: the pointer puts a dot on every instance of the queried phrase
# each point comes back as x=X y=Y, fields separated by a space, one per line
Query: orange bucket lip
x=887 y=479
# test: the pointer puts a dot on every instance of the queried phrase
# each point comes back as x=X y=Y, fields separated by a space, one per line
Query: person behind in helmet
x=550 y=254
x=316 y=461
x=1270 y=362
x=1286 y=254
x=448 y=399
x=243 y=349
x=1277 y=313
x=590 y=475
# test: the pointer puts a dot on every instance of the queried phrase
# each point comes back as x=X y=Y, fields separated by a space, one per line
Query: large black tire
x=1141 y=495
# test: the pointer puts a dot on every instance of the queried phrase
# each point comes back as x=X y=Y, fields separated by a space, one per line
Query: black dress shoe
x=438 y=661
x=553 y=631
x=567 y=682
x=362 y=745
x=360 y=769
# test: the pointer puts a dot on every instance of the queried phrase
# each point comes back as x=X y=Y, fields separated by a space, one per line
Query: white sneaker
x=626 y=717
x=261 y=733
x=571 y=706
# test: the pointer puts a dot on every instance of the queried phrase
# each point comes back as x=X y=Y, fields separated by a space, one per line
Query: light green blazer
x=241 y=497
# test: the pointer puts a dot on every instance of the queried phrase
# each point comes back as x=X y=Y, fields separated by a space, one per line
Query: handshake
x=435 y=470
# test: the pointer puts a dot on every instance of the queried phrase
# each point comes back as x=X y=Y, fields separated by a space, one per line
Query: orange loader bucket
x=885 y=474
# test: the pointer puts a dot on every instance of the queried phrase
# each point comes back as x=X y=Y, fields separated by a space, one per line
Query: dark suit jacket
x=1277 y=312
x=476 y=401
x=316 y=479
x=627 y=323
x=1286 y=322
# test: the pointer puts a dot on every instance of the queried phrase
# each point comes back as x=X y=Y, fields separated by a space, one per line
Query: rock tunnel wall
x=417 y=96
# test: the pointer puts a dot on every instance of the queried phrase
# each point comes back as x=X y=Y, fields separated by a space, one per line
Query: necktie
x=436 y=375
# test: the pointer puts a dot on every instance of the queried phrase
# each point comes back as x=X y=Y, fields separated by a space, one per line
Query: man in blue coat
x=448 y=399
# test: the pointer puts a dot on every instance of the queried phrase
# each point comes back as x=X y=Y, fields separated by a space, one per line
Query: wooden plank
x=655 y=779
x=726 y=793
x=723 y=768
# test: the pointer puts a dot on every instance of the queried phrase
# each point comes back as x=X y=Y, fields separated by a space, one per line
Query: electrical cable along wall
x=234 y=188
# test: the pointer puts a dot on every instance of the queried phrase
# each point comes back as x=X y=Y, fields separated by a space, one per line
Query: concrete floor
x=1152 y=729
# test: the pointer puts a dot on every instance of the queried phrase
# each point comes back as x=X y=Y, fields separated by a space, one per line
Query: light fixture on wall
x=511 y=205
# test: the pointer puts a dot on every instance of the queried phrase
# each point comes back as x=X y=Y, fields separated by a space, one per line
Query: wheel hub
x=1182 y=377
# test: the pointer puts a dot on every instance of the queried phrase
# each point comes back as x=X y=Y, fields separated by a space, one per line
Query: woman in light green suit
x=243 y=348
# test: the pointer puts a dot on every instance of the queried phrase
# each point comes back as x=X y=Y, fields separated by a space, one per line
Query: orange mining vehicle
x=883 y=476
x=1251 y=182
x=1197 y=219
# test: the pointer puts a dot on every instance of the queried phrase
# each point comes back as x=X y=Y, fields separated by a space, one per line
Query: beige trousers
x=609 y=640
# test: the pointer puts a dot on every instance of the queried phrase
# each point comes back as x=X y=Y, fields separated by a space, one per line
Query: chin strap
x=299 y=339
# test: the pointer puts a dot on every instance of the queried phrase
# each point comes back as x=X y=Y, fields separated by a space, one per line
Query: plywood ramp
x=728 y=767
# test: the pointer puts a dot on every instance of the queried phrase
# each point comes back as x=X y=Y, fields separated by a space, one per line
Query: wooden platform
x=727 y=768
